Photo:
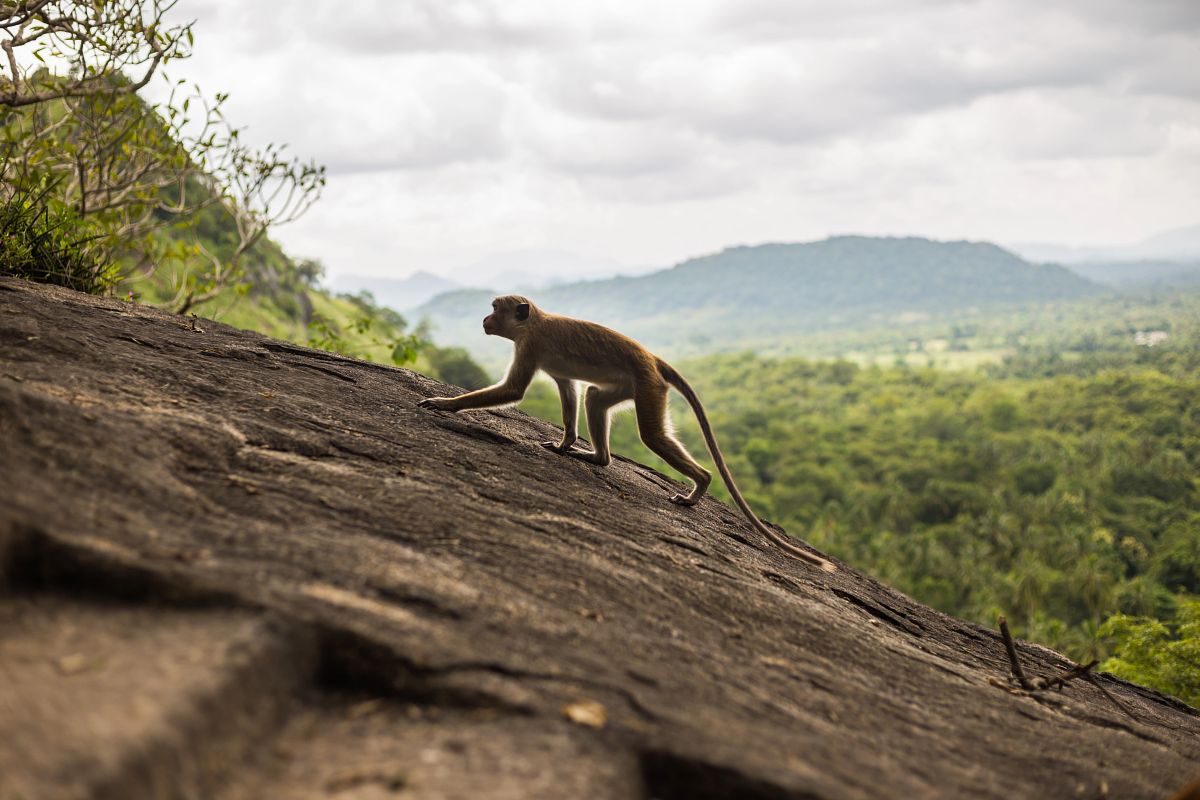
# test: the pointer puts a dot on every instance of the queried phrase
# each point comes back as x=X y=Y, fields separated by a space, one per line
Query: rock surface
x=233 y=567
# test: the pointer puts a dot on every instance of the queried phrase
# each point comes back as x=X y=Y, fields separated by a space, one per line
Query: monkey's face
x=508 y=317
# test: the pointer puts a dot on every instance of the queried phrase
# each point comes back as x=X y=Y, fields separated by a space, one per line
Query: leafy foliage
x=375 y=327
x=96 y=40
x=142 y=176
x=1152 y=653
x=454 y=365
x=41 y=240
x=154 y=184
x=103 y=188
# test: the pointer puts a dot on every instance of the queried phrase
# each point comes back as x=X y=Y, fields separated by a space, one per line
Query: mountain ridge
x=781 y=289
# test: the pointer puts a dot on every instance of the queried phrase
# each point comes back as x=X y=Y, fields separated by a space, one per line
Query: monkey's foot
x=558 y=447
x=684 y=500
x=590 y=456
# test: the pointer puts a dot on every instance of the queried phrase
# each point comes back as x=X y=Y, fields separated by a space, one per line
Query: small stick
x=1058 y=681
x=1077 y=671
x=1090 y=678
x=1017 y=672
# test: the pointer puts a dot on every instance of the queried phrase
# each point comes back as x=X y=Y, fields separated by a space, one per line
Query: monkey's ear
x=522 y=312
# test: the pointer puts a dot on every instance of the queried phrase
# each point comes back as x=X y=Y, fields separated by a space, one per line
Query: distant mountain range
x=517 y=270
x=1179 y=245
x=535 y=268
x=399 y=293
x=744 y=295
x=1168 y=259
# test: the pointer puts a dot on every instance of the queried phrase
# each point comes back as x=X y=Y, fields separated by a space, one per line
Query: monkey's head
x=510 y=315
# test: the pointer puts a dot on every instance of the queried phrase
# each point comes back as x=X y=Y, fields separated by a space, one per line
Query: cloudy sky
x=648 y=132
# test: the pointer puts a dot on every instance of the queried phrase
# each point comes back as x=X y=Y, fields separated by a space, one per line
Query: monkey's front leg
x=508 y=391
x=568 y=395
x=491 y=397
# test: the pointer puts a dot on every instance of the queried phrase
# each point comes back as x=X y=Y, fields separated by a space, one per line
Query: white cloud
x=651 y=131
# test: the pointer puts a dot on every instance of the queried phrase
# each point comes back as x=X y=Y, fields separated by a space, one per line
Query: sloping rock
x=234 y=567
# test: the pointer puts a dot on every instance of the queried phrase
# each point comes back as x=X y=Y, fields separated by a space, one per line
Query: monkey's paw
x=437 y=403
x=558 y=447
x=682 y=500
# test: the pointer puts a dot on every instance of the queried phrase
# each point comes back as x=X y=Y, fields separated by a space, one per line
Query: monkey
x=617 y=370
x=1190 y=791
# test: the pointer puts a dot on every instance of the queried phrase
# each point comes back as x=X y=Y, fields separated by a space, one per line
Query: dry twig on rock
x=1038 y=684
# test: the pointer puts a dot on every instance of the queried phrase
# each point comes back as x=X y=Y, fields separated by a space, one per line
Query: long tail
x=672 y=376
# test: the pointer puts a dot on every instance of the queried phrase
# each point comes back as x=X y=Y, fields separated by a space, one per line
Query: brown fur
x=1190 y=791
x=617 y=369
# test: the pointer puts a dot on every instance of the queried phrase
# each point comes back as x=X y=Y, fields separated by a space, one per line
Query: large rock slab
x=490 y=603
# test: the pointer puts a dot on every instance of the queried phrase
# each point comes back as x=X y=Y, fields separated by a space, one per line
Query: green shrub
x=1163 y=656
x=45 y=242
x=454 y=365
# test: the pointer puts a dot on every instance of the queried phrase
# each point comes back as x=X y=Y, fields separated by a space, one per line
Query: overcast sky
x=648 y=132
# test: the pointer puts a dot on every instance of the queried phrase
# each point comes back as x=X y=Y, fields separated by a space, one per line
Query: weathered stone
x=432 y=591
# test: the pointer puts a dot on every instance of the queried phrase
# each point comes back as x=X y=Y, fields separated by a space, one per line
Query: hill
x=747 y=297
x=234 y=567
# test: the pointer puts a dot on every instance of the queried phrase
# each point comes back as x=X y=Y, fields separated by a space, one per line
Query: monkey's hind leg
x=598 y=402
x=655 y=431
